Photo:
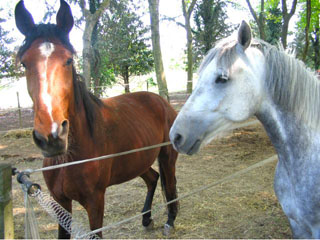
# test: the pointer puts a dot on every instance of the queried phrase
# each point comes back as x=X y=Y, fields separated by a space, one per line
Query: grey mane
x=292 y=86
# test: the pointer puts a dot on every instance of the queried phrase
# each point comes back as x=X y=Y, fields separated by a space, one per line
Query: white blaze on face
x=46 y=50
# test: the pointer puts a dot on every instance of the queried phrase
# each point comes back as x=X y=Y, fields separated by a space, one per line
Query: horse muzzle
x=184 y=144
x=56 y=143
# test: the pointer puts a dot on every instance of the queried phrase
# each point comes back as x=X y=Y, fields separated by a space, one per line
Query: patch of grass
x=18 y=133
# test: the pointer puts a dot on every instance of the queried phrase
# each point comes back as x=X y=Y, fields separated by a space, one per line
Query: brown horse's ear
x=64 y=17
x=24 y=20
x=244 y=35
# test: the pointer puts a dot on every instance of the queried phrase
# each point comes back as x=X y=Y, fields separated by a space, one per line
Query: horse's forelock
x=226 y=53
x=47 y=32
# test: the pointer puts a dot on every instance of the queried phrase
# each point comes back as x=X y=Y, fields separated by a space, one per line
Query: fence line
x=44 y=201
x=18 y=110
x=30 y=171
x=201 y=189
x=5 y=111
x=160 y=206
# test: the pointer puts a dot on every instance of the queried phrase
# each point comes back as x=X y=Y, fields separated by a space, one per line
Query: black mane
x=83 y=97
x=90 y=102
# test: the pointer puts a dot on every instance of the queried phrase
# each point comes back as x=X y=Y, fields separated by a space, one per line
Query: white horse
x=245 y=77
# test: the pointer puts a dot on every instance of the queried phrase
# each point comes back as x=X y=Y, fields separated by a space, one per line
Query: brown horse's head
x=47 y=56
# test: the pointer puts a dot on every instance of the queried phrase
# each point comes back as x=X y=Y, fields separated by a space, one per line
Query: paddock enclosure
x=244 y=207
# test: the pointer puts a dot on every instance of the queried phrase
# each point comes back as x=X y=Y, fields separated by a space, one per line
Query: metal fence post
x=6 y=209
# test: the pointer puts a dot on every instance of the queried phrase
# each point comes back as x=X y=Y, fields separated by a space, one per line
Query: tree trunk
x=316 y=47
x=125 y=76
x=187 y=11
x=87 y=52
x=189 y=57
x=95 y=72
x=95 y=58
x=284 y=33
x=155 y=35
x=259 y=20
x=308 y=17
x=285 y=20
x=91 y=20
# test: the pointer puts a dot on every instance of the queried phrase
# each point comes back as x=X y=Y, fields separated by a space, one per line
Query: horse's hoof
x=150 y=226
x=168 y=230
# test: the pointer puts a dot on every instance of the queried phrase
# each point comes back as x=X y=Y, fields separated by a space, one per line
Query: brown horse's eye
x=23 y=65
x=69 y=61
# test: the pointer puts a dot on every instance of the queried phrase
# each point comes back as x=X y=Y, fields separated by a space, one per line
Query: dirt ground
x=244 y=207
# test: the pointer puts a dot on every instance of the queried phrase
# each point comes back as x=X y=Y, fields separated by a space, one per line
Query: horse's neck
x=294 y=141
x=80 y=139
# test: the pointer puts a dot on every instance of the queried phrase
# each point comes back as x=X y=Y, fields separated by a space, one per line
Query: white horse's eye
x=222 y=79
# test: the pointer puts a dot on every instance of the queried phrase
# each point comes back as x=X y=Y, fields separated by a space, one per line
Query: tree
x=7 y=65
x=308 y=18
x=315 y=37
x=307 y=33
x=260 y=20
x=286 y=16
x=155 y=35
x=187 y=11
x=123 y=38
x=273 y=22
x=210 y=26
x=91 y=17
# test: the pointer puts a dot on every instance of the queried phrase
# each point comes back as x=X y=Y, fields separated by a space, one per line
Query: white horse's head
x=229 y=91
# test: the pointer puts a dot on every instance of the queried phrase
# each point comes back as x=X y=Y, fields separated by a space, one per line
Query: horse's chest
x=298 y=194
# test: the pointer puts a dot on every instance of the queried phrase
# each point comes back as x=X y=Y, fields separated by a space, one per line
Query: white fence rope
x=98 y=158
x=64 y=218
x=121 y=153
x=160 y=206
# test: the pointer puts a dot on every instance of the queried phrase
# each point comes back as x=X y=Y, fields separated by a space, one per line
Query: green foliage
x=315 y=11
x=7 y=61
x=151 y=82
x=313 y=54
x=210 y=20
x=122 y=39
x=273 y=17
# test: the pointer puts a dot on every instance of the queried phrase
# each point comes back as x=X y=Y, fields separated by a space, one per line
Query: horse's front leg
x=94 y=205
x=151 y=178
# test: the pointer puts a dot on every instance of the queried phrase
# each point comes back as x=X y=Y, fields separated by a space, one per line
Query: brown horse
x=71 y=124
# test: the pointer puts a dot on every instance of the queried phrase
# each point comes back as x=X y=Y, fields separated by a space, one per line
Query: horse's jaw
x=190 y=133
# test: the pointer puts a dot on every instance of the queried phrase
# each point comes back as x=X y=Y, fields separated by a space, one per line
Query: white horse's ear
x=244 y=35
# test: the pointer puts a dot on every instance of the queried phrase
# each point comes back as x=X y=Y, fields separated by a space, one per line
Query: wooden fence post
x=19 y=110
x=6 y=209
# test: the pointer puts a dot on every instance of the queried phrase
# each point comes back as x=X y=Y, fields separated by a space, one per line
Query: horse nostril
x=64 y=128
x=177 y=139
x=39 y=139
